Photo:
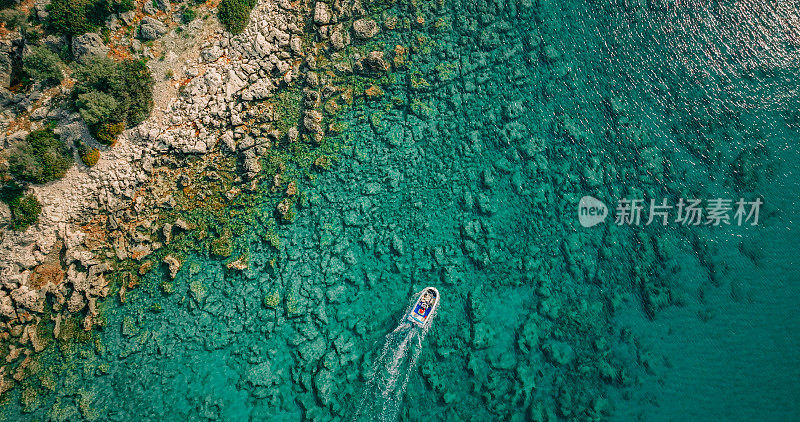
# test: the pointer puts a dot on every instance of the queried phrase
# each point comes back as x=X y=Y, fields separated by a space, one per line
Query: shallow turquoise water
x=471 y=184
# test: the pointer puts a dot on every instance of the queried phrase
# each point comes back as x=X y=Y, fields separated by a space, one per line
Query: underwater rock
x=375 y=61
x=558 y=352
x=528 y=337
x=324 y=385
x=481 y=333
x=337 y=294
x=365 y=28
x=311 y=351
x=261 y=375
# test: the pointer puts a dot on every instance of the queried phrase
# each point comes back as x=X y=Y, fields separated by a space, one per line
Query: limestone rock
x=173 y=264
x=152 y=29
x=6 y=306
x=28 y=299
x=322 y=14
x=76 y=302
x=88 y=45
x=365 y=29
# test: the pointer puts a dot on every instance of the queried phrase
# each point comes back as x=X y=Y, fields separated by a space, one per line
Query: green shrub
x=40 y=158
x=70 y=17
x=90 y=157
x=76 y=17
x=112 y=95
x=137 y=92
x=96 y=107
x=12 y=18
x=234 y=14
x=24 y=211
x=107 y=133
x=188 y=15
x=43 y=65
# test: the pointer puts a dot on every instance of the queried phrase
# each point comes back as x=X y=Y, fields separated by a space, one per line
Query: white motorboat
x=422 y=311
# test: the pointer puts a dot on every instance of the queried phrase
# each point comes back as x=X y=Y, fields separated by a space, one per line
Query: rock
x=173 y=264
x=376 y=62
x=322 y=15
x=28 y=299
x=240 y=263
x=292 y=134
x=41 y=9
x=183 y=225
x=339 y=38
x=313 y=121
x=365 y=29
x=76 y=302
x=128 y=17
x=55 y=42
x=88 y=45
x=6 y=305
x=7 y=50
x=558 y=352
x=260 y=90
x=152 y=29
x=211 y=54
x=163 y=5
x=252 y=166
x=149 y=8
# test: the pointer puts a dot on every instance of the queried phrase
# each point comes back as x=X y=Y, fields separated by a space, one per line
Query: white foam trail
x=383 y=391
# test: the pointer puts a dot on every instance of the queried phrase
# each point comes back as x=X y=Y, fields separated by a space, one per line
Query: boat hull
x=422 y=311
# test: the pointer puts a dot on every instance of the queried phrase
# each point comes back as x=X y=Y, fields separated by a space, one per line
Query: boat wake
x=383 y=391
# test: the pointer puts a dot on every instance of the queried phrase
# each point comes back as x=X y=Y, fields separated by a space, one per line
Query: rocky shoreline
x=225 y=106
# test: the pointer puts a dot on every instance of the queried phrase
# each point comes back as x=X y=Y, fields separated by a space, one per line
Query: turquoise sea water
x=470 y=182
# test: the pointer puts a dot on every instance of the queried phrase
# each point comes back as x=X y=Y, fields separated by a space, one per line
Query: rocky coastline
x=226 y=109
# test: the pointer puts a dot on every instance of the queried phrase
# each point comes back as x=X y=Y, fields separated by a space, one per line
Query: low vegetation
x=42 y=157
x=76 y=17
x=188 y=15
x=89 y=156
x=234 y=14
x=24 y=211
x=24 y=208
x=43 y=65
x=111 y=95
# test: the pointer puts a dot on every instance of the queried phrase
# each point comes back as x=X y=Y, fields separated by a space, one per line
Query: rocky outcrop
x=88 y=45
x=365 y=28
x=152 y=29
